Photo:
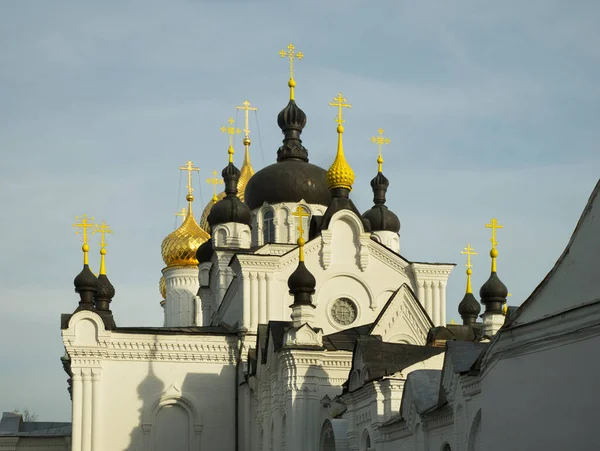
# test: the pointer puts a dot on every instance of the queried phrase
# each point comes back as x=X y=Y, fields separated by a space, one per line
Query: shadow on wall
x=169 y=419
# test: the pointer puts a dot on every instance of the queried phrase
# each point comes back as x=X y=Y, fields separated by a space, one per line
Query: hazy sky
x=492 y=109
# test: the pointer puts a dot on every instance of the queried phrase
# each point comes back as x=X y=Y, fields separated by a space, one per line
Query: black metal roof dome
x=302 y=284
x=380 y=216
x=230 y=208
x=292 y=178
x=469 y=309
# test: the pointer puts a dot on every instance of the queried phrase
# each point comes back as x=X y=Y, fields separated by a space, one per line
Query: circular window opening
x=343 y=311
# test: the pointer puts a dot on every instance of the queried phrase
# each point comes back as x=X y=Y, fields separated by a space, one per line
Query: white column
x=443 y=303
x=262 y=298
x=246 y=300
x=253 y=300
x=77 y=409
x=421 y=292
x=96 y=411
x=270 y=307
x=86 y=429
x=436 y=302
x=428 y=300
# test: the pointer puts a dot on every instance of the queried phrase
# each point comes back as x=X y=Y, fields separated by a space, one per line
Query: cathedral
x=293 y=322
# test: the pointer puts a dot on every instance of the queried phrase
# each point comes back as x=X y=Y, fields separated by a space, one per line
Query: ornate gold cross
x=340 y=102
x=494 y=225
x=83 y=224
x=102 y=229
x=214 y=181
x=380 y=140
x=182 y=212
x=300 y=213
x=291 y=54
x=189 y=167
x=468 y=252
x=245 y=108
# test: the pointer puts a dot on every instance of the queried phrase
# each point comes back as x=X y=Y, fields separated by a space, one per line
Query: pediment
x=402 y=319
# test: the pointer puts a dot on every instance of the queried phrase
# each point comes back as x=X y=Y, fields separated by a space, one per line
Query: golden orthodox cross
x=291 y=54
x=340 y=102
x=182 y=212
x=214 y=181
x=83 y=224
x=300 y=213
x=468 y=252
x=189 y=167
x=246 y=107
x=494 y=225
x=380 y=140
x=102 y=229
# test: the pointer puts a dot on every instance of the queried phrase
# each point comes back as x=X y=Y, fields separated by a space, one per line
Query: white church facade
x=292 y=322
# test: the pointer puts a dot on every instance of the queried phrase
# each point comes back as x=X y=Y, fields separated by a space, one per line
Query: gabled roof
x=422 y=388
x=344 y=340
x=381 y=359
x=574 y=280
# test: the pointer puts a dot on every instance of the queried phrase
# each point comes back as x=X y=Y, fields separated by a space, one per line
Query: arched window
x=446 y=447
x=366 y=442
x=268 y=227
x=305 y=224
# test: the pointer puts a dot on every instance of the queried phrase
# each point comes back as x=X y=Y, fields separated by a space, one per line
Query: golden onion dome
x=162 y=287
x=340 y=174
x=179 y=247
x=246 y=173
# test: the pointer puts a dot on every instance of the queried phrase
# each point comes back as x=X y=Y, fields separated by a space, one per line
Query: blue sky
x=492 y=109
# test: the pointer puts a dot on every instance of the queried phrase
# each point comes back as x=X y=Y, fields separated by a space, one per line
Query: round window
x=343 y=311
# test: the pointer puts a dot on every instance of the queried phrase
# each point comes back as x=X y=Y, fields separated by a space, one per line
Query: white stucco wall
x=543 y=400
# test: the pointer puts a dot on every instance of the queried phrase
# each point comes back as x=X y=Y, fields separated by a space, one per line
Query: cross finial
x=245 y=107
x=189 y=167
x=292 y=55
x=181 y=212
x=84 y=224
x=300 y=213
x=230 y=130
x=380 y=141
x=468 y=252
x=340 y=102
x=102 y=229
x=214 y=181
x=494 y=225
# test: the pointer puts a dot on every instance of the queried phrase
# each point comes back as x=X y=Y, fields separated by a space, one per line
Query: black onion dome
x=493 y=294
x=292 y=178
x=104 y=294
x=291 y=121
x=86 y=285
x=380 y=216
x=302 y=284
x=469 y=309
x=205 y=252
x=230 y=208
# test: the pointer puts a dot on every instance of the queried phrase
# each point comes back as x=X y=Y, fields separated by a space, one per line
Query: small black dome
x=493 y=294
x=289 y=180
x=380 y=216
x=292 y=118
x=205 y=252
x=302 y=284
x=104 y=294
x=86 y=285
x=230 y=208
x=469 y=309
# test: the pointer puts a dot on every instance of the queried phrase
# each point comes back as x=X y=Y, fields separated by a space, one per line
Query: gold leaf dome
x=179 y=247
x=340 y=174
x=246 y=173
x=162 y=287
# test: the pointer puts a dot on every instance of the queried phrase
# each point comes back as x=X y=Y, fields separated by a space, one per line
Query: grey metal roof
x=12 y=424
